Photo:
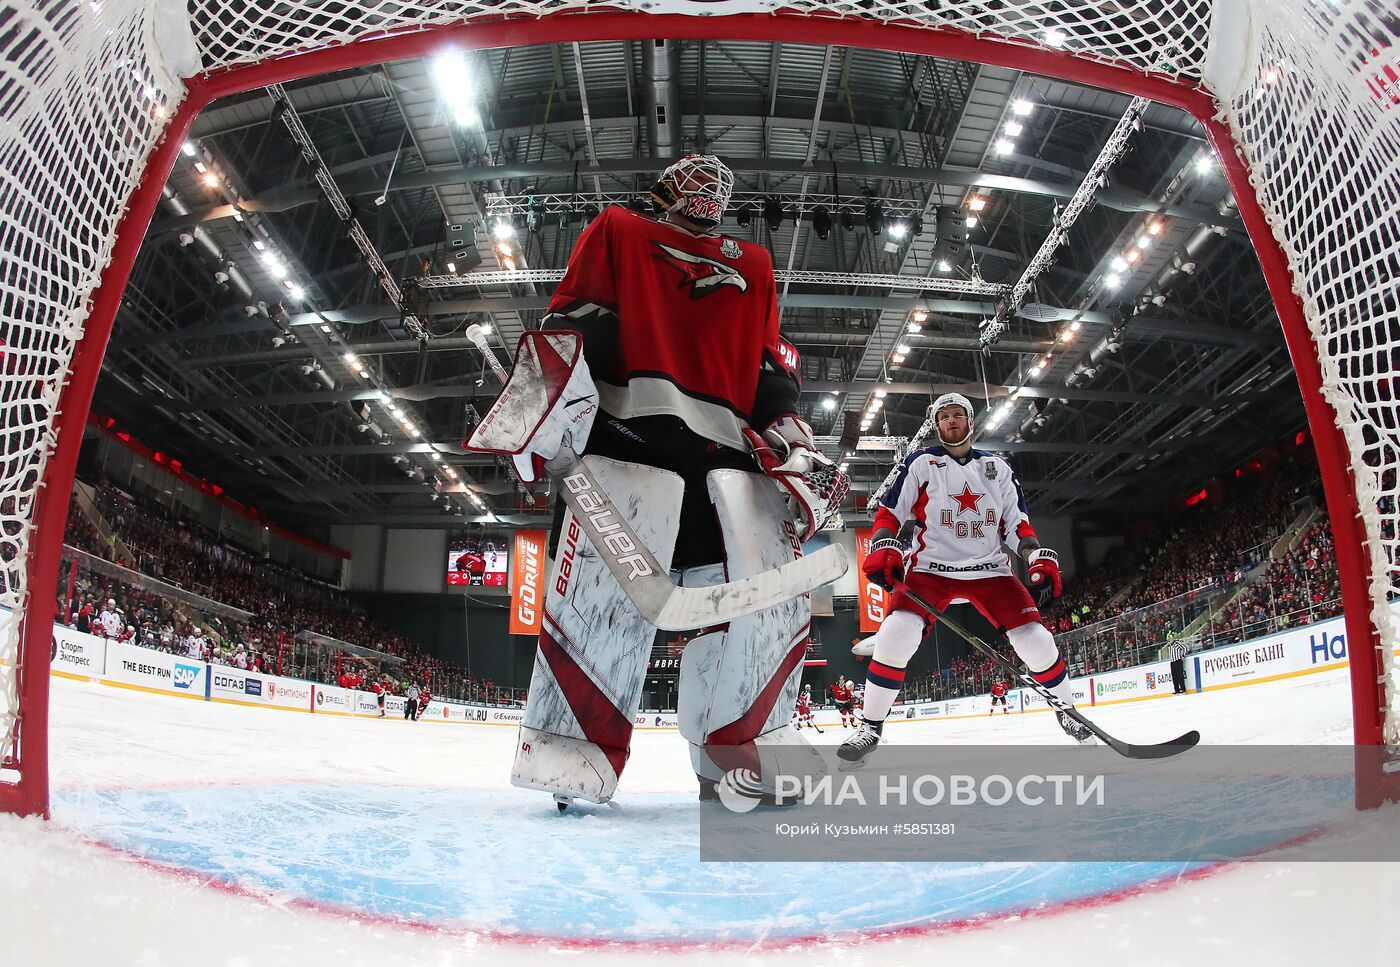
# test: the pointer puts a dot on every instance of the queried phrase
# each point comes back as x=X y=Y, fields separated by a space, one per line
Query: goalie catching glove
x=812 y=485
x=546 y=410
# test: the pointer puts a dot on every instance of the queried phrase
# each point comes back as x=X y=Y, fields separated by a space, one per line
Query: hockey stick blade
x=649 y=587
x=1160 y=750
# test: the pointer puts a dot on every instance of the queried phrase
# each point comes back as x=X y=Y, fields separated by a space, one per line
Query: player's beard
x=955 y=443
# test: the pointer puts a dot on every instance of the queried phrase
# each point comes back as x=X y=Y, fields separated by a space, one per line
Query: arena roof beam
x=284 y=199
x=426 y=391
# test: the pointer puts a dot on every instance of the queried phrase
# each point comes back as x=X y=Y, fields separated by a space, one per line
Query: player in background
x=999 y=696
x=844 y=699
x=196 y=645
x=804 y=713
x=686 y=395
x=111 y=619
x=968 y=504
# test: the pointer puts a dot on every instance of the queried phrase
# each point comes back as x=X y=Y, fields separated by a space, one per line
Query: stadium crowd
x=1300 y=588
x=184 y=557
x=1215 y=545
x=1122 y=612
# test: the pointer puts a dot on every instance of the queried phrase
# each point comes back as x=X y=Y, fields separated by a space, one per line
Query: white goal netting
x=1310 y=89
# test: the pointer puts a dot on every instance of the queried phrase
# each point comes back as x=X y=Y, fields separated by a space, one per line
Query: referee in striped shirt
x=1177 y=652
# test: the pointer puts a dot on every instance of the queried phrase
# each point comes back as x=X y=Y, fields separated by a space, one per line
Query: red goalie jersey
x=678 y=324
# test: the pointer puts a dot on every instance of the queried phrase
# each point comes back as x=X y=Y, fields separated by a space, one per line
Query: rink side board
x=1297 y=652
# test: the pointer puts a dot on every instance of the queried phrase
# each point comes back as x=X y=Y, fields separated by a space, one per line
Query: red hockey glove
x=1045 y=574
x=884 y=565
x=812 y=485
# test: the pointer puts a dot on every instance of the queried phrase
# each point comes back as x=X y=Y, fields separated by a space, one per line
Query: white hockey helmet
x=696 y=187
x=941 y=404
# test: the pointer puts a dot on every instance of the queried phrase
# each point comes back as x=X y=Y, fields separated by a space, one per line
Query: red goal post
x=1300 y=99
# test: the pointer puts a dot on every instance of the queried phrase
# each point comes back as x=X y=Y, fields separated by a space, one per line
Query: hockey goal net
x=1301 y=99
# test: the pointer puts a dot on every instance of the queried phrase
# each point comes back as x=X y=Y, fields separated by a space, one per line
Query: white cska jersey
x=968 y=510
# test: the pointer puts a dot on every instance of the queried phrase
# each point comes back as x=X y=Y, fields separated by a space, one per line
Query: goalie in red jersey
x=660 y=362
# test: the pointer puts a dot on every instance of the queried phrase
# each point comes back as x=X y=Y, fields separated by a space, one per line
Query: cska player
x=968 y=504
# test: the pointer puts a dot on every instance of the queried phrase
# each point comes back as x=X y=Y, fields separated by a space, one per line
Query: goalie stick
x=1160 y=750
x=649 y=586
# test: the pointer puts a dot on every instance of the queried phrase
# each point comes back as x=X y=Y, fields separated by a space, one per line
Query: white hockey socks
x=895 y=644
x=1036 y=647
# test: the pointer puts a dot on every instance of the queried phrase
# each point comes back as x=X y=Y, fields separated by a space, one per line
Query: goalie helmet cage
x=1300 y=99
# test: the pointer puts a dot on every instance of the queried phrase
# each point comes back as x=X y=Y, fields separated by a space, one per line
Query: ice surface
x=312 y=839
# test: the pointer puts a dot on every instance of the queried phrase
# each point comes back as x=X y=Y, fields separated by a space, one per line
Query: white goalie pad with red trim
x=738 y=682
x=594 y=645
x=546 y=410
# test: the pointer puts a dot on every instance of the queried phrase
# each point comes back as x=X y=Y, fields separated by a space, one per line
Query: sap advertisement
x=156 y=670
x=476 y=562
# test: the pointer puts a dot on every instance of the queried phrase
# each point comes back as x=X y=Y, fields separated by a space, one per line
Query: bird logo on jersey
x=700 y=275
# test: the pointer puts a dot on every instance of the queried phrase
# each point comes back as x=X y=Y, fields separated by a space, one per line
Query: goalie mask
x=941 y=404
x=697 y=187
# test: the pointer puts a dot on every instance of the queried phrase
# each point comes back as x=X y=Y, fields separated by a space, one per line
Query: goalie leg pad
x=587 y=681
x=738 y=683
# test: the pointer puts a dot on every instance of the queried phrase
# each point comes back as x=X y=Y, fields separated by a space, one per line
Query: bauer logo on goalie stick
x=616 y=541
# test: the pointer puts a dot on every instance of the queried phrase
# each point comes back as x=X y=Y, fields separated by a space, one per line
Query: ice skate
x=1075 y=729
x=857 y=748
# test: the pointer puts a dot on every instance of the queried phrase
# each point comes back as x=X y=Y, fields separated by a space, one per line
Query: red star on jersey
x=967 y=500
